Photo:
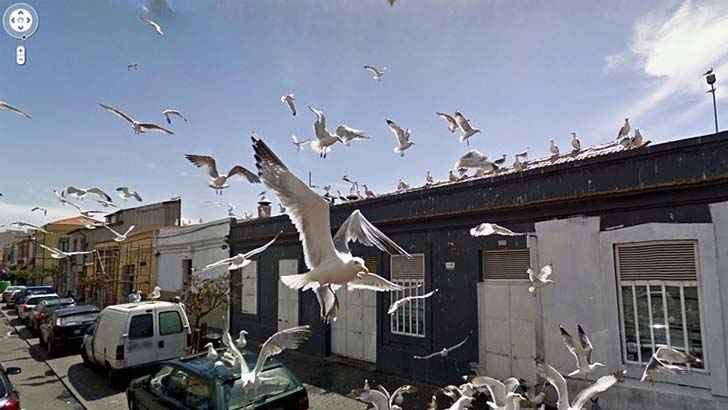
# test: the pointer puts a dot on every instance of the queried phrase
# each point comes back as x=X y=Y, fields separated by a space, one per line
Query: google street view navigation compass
x=20 y=21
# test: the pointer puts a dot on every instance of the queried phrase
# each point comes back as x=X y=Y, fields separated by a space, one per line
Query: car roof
x=140 y=306
x=58 y=301
x=73 y=310
x=42 y=295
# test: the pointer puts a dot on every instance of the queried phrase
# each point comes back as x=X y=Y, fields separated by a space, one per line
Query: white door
x=507 y=330
x=172 y=340
x=354 y=333
x=141 y=345
x=287 y=297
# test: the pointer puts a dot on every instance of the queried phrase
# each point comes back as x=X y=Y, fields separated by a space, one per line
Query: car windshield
x=273 y=382
x=182 y=387
x=77 y=319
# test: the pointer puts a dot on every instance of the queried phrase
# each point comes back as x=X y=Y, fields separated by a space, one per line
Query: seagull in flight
x=403 y=137
x=4 y=106
x=138 y=127
x=290 y=99
x=671 y=355
x=473 y=159
x=240 y=260
x=400 y=302
x=555 y=378
x=581 y=348
x=501 y=392
x=24 y=226
x=59 y=254
x=465 y=127
x=154 y=24
x=169 y=112
x=624 y=131
x=452 y=125
x=41 y=209
x=81 y=193
x=324 y=138
x=575 y=144
x=134 y=66
x=299 y=144
x=445 y=350
x=380 y=397
x=377 y=72
x=668 y=360
x=486 y=229
x=348 y=134
x=126 y=193
x=216 y=181
x=329 y=258
x=540 y=279
x=117 y=236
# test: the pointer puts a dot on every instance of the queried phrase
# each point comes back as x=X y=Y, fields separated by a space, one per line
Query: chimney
x=264 y=209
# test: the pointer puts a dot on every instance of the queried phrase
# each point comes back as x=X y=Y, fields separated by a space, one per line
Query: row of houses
x=638 y=240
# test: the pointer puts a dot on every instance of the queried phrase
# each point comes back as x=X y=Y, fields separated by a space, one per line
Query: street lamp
x=710 y=79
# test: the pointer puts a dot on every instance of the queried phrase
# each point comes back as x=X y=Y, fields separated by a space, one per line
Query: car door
x=172 y=338
x=140 y=339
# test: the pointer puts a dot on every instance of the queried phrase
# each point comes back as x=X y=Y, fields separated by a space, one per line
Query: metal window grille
x=506 y=264
x=659 y=298
x=249 y=289
x=408 y=320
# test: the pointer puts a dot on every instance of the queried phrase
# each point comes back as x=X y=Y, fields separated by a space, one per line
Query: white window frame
x=414 y=287
x=681 y=284
x=249 y=289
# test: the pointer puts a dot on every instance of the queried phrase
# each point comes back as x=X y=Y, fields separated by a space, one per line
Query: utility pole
x=710 y=79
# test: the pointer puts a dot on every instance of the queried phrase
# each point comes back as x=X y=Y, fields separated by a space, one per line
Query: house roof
x=74 y=220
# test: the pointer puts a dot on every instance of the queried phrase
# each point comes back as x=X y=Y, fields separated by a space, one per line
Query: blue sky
x=522 y=71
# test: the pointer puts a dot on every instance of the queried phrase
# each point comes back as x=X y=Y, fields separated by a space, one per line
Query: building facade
x=639 y=247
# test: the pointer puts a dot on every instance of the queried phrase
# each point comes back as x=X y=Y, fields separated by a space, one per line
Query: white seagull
x=324 y=138
x=562 y=390
x=126 y=193
x=368 y=192
x=400 y=302
x=59 y=254
x=211 y=352
x=240 y=260
x=403 y=137
x=329 y=259
x=80 y=193
x=501 y=392
x=452 y=125
x=486 y=229
x=348 y=134
x=4 y=106
x=380 y=397
x=655 y=365
x=445 y=350
x=429 y=180
x=638 y=141
x=500 y=161
x=299 y=144
x=575 y=144
x=138 y=127
x=472 y=159
x=581 y=348
x=154 y=24
x=241 y=342
x=465 y=127
x=553 y=149
x=156 y=293
x=624 y=131
x=169 y=112
x=377 y=72
x=25 y=226
x=671 y=355
x=117 y=236
x=540 y=279
x=41 y=209
x=290 y=99
x=402 y=186
x=219 y=182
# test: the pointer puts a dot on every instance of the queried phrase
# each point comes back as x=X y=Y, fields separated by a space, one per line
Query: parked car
x=43 y=309
x=31 y=290
x=66 y=327
x=135 y=336
x=25 y=309
x=9 y=398
x=9 y=291
x=195 y=383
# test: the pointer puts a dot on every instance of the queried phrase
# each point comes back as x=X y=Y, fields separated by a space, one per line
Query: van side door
x=140 y=340
x=172 y=340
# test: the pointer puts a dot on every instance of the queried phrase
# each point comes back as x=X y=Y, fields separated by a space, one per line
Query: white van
x=135 y=335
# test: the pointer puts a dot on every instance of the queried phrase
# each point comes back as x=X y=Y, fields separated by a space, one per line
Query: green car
x=195 y=383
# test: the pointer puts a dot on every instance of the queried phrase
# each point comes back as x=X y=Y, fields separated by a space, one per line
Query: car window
x=76 y=319
x=141 y=326
x=182 y=387
x=37 y=300
x=275 y=381
x=169 y=323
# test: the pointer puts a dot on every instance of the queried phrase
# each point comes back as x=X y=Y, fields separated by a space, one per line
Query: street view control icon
x=20 y=21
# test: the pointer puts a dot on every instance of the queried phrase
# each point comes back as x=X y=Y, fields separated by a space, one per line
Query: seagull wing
x=557 y=380
x=308 y=211
x=399 y=133
x=396 y=305
x=99 y=192
x=112 y=230
x=496 y=388
x=128 y=231
x=586 y=345
x=372 y=281
x=204 y=161
x=118 y=113
x=260 y=249
x=8 y=107
x=242 y=171
x=154 y=127
x=286 y=339
x=398 y=396
x=227 y=340
x=137 y=196
x=546 y=272
x=451 y=123
x=511 y=384
x=51 y=249
x=459 y=345
x=462 y=122
x=357 y=228
x=569 y=343
x=429 y=356
x=123 y=191
x=72 y=190
x=602 y=384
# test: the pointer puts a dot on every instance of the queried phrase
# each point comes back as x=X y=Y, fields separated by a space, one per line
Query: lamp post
x=710 y=79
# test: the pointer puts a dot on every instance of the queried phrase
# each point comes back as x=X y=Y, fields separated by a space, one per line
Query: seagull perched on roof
x=138 y=127
x=401 y=302
x=368 y=192
x=445 y=350
x=402 y=186
x=290 y=99
x=377 y=72
x=240 y=260
x=117 y=236
x=126 y=193
x=4 y=106
x=348 y=134
x=624 y=131
x=329 y=258
x=637 y=141
x=80 y=193
x=575 y=144
x=486 y=229
x=324 y=138
x=59 y=254
x=452 y=125
x=403 y=137
x=500 y=161
x=169 y=112
x=553 y=149
x=39 y=208
x=299 y=144
x=540 y=279
x=581 y=348
x=429 y=180
x=555 y=378
x=216 y=181
x=465 y=127
x=152 y=23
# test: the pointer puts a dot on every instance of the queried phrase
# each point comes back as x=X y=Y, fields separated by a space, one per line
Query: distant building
x=638 y=240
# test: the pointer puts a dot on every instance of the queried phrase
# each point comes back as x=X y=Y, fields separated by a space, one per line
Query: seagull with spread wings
x=501 y=392
x=452 y=125
x=117 y=236
x=380 y=397
x=377 y=72
x=473 y=159
x=349 y=134
x=41 y=209
x=562 y=390
x=137 y=126
x=25 y=226
x=328 y=258
x=486 y=229
x=401 y=302
x=290 y=99
x=126 y=193
x=299 y=144
x=219 y=182
x=81 y=193
x=324 y=138
x=169 y=112
x=540 y=279
x=59 y=254
x=240 y=260
x=404 y=142
x=154 y=24
x=4 y=106
x=581 y=348
x=465 y=127
x=445 y=350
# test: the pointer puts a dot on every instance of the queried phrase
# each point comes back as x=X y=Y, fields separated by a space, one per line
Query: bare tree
x=202 y=296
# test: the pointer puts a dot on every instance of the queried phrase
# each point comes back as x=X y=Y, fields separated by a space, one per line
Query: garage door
x=354 y=333
x=287 y=297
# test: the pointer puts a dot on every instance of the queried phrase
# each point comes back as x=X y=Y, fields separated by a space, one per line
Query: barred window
x=506 y=264
x=660 y=300
x=408 y=320
x=249 y=290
